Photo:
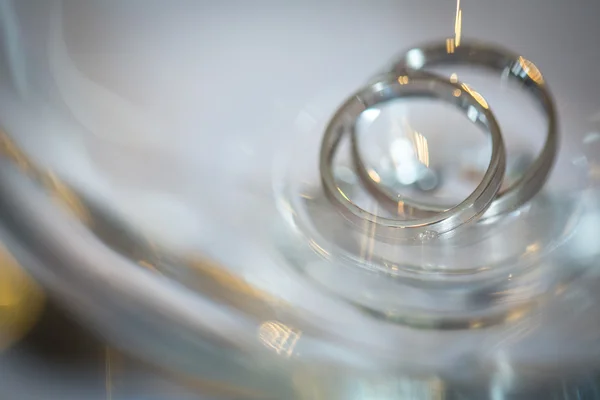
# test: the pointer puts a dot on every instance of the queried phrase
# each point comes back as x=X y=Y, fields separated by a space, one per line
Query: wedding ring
x=508 y=64
x=418 y=85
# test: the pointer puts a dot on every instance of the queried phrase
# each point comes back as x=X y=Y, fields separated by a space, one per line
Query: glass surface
x=183 y=139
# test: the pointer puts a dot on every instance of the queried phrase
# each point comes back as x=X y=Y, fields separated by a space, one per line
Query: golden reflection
x=457 y=92
x=403 y=80
x=421 y=148
x=478 y=97
x=14 y=153
x=279 y=337
x=315 y=246
x=476 y=324
x=419 y=142
x=147 y=265
x=58 y=190
x=343 y=194
x=374 y=176
x=67 y=198
x=516 y=315
x=531 y=70
x=401 y=208
x=450 y=45
x=532 y=248
x=219 y=276
x=21 y=301
x=224 y=286
x=458 y=24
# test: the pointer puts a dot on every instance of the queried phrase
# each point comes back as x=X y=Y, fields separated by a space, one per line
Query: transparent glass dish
x=160 y=177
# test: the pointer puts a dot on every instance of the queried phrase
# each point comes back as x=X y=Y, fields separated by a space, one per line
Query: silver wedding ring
x=418 y=85
x=406 y=79
x=498 y=60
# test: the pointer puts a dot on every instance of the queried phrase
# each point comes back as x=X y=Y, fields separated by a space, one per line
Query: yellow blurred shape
x=374 y=175
x=67 y=198
x=58 y=190
x=531 y=70
x=147 y=265
x=216 y=282
x=450 y=45
x=14 y=153
x=458 y=24
x=21 y=301
x=478 y=97
x=421 y=148
x=219 y=276
x=279 y=337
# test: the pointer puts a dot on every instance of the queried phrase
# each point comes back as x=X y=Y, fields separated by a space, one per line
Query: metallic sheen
x=508 y=64
x=418 y=85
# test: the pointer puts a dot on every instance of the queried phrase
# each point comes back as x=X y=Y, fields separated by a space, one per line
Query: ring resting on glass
x=418 y=85
x=498 y=60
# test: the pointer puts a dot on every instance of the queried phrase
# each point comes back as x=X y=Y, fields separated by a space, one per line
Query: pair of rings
x=408 y=78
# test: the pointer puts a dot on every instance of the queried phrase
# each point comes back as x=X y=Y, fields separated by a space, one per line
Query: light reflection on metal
x=375 y=176
x=421 y=148
x=343 y=194
x=458 y=24
x=450 y=45
x=315 y=246
x=531 y=70
x=454 y=78
x=457 y=92
x=401 y=208
x=478 y=97
x=403 y=80
x=279 y=337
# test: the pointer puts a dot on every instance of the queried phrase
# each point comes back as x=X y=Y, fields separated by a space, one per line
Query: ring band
x=418 y=85
x=499 y=60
